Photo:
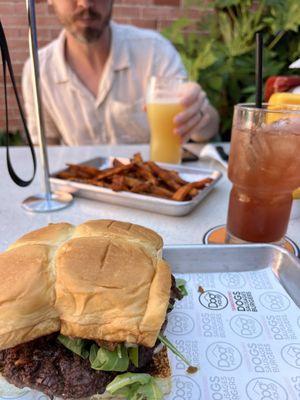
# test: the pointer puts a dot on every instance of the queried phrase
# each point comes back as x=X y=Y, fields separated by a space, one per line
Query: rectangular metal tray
x=135 y=200
x=234 y=347
x=243 y=329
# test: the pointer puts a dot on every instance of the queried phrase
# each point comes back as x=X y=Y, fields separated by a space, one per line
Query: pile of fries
x=138 y=176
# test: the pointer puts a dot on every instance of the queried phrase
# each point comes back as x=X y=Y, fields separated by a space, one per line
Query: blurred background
x=214 y=38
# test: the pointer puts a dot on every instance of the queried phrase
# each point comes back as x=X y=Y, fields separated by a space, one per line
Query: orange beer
x=163 y=104
x=165 y=146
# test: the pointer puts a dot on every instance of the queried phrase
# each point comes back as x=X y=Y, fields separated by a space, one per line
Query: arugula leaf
x=174 y=350
x=128 y=379
x=105 y=360
x=135 y=386
x=149 y=391
x=133 y=353
x=180 y=284
x=77 y=346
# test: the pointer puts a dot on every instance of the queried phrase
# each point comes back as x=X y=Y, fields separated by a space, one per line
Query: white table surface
x=14 y=221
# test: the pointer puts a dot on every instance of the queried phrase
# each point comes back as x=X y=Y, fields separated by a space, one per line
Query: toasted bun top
x=100 y=280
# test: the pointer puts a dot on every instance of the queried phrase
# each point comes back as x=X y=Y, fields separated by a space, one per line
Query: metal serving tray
x=135 y=200
x=243 y=329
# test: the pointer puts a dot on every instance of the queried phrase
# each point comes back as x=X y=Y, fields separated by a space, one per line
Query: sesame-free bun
x=100 y=280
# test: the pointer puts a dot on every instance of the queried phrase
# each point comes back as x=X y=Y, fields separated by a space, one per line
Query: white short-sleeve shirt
x=74 y=116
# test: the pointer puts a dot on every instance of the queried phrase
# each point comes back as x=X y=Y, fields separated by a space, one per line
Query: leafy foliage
x=222 y=58
x=15 y=139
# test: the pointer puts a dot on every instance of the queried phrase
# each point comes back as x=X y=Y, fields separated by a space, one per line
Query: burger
x=83 y=309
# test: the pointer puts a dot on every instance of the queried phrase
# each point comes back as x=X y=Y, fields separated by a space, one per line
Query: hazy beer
x=165 y=146
x=163 y=104
x=264 y=167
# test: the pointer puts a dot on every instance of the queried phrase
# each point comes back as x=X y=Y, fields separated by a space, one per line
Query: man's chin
x=87 y=35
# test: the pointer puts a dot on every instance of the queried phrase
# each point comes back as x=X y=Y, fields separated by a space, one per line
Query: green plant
x=222 y=58
x=15 y=138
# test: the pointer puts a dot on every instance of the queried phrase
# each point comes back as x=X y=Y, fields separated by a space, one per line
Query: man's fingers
x=188 y=113
x=190 y=124
x=190 y=93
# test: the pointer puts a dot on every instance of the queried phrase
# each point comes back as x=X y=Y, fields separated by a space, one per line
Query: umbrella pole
x=48 y=201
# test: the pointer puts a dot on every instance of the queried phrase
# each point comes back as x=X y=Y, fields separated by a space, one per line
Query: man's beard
x=87 y=34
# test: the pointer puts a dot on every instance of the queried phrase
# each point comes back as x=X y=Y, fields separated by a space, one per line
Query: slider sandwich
x=83 y=310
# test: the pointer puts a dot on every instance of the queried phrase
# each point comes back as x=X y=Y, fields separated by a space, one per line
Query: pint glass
x=163 y=104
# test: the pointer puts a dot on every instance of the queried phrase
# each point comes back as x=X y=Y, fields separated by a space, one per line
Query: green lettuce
x=133 y=353
x=180 y=284
x=149 y=391
x=135 y=386
x=105 y=360
x=77 y=346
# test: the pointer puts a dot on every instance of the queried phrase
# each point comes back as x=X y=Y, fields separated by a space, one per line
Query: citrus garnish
x=296 y=194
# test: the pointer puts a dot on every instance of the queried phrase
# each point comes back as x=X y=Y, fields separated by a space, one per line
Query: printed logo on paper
x=185 y=388
x=180 y=323
x=223 y=388
x=242 y=301
x=280 y=327
x=274 y=301
x=223 y=356
x=245 y=326
x=291 y=354
x=265 y=389
x=232 y=280
x=213 y=300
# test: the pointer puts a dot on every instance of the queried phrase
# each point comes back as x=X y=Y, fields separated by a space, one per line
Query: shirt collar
x=119 y=53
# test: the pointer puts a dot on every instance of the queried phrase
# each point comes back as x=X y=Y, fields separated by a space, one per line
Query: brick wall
x=154 y=14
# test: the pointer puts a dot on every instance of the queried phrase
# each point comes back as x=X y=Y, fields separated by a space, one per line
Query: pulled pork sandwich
x=82 y=309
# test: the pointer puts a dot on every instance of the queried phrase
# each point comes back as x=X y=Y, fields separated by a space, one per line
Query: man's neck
x=88 y=59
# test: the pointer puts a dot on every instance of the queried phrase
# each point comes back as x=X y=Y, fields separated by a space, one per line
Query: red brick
x=129 y=11
x=167 y=2
x=145 y=23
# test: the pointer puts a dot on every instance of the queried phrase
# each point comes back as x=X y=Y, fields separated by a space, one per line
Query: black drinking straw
x=258 y=69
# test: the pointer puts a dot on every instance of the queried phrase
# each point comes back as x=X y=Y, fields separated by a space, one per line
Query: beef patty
x=46 y=365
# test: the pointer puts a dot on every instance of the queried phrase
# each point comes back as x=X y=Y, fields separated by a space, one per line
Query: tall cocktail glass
x=163 y=104
x=264 y=168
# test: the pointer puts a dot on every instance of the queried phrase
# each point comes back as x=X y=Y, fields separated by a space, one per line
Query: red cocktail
x=264 y=167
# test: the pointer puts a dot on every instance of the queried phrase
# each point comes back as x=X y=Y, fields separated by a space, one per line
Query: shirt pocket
x=128 y=122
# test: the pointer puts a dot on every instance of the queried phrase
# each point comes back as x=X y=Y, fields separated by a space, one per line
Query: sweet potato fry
x=91 y=171
x=118 y=183
x=88 y=181
x=137 y=158
x=185 y=190
x=142 y=187
x=117 y=163
x=130 y=182
x=142 y=170
x=106 y=173
x=164 y=175
x=66 y=175
x=160 y=192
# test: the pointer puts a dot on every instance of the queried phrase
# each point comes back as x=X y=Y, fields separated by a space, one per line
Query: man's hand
x=194 y=116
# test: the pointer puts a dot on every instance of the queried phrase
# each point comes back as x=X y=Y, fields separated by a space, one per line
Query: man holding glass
x=94 y=80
